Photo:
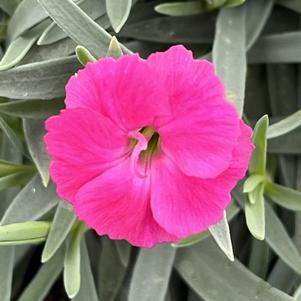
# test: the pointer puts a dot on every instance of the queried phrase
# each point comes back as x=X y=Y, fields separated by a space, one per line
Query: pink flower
x=148 y=150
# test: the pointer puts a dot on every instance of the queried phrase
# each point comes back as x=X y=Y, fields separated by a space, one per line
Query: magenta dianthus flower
x=148 y=150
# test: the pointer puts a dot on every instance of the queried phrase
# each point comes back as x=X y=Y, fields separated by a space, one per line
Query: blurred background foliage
x=46 y=254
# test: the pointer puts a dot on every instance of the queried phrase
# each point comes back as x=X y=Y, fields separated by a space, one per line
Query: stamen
x=144 y=145
x=141 y=145
x=147 y=132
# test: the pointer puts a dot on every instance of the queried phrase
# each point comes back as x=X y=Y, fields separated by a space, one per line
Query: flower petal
x=203 y=128
x=82 y=144
x=189 y=83
x=201 y=141
x=117 y=204
x=240 y=157
x=125 y=90
x=186 y=205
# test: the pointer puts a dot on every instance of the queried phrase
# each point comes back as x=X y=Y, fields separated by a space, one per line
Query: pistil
x=145 y=144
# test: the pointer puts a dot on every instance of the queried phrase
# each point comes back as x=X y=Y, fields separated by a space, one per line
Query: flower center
x=153 y=139
x=145 y=144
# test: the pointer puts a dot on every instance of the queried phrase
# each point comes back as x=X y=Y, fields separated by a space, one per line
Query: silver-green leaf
x=221 y=234
x=284 y=196
x=61 y=225
x=255 y=212
x=151 y=273
x=118 y=12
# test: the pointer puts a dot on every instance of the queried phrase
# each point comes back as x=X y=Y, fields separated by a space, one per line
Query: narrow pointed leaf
x=259 y=259
x=124 y=251
x=285 y=126
x=258 y=160
x=114 y=50
x=118 y=12
x=13 y=138
x=61 y=225
x=221 y=234
x=6 y=272
x=276 y=48
x=214 y=278
x=16 y=233
x=72 y=260
x=40 y=285
x=255 y=214
x=279 y=240
x=276 y=236
x=54 y=33
x=284 y=196
x=255 y=195
x=28 y=14
x=111 y=268
x=87 y=289
x=20 y=46
x=151 y=273
x=7 y=168
x=95 y=9
x=257 y=14
x=34 y=131
x=42 y=80
x=32 y=108
x=32 y=202
x=229 y=53
x=82 y=29
x=188 y=8
x=83 y=55
x=15 y=179
x=252 y=182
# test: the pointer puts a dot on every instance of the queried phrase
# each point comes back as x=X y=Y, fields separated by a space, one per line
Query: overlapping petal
x=184 y=205
x=125 y=90
x=117 y=204
x=190 y=83
x=201 y=141
x=82 y=144
x=202 y=130
x=240 y=157
x=192 y=204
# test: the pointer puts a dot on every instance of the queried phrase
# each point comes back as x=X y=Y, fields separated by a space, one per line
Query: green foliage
x=54 y=33
x=258 y=160
x=83 y=55
x=118 y=12
x=255 y=46
x=194 y=7
x=62 y=222
x=229 y=53
x=79 y=26
x=72 y=260
x=114 y=49
x=255 y=212
x=20 y=46
x=23 y=233
x=153 y=285
x=203 y=266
